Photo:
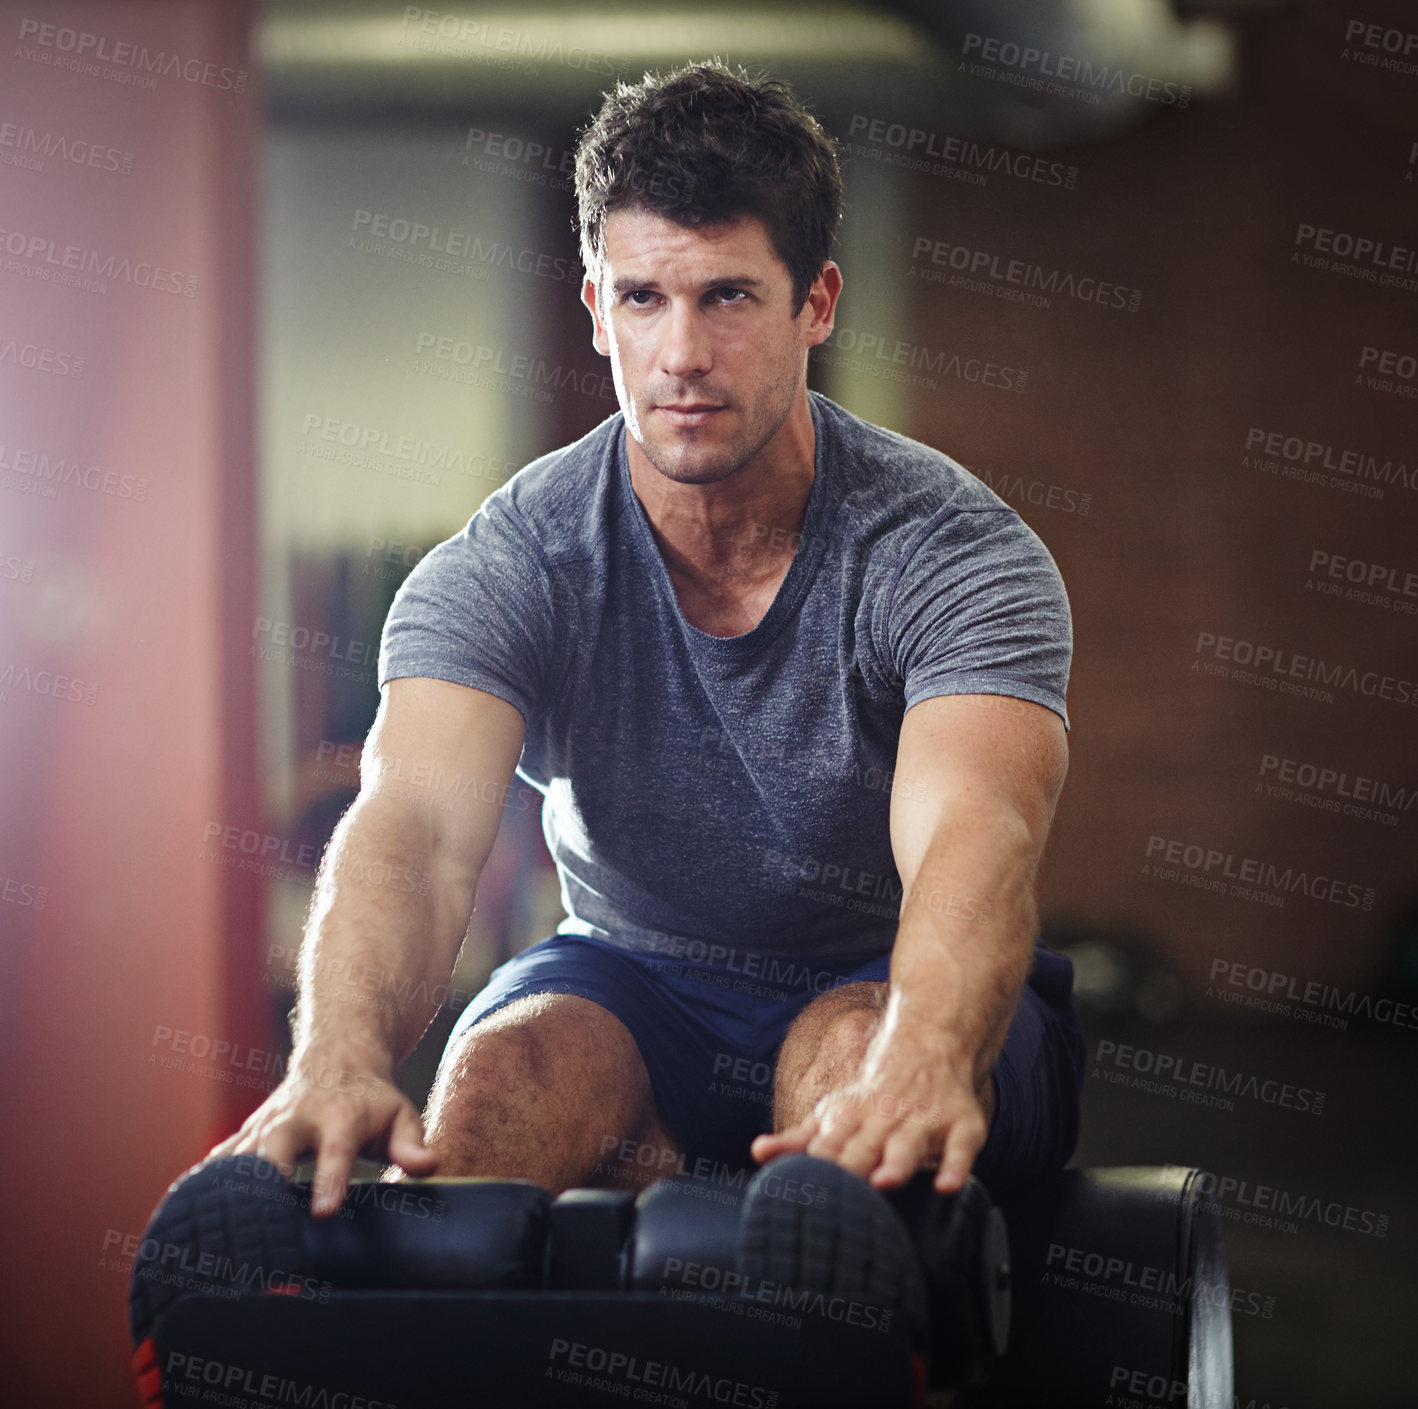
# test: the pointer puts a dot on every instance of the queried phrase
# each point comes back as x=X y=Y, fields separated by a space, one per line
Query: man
x=793 y=688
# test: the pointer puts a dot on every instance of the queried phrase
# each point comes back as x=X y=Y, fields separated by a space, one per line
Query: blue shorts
x=709 y=1033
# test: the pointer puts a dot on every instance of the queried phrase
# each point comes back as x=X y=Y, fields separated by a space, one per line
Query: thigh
x=674 y=1038
x=541 y=1079
x=707 y=1029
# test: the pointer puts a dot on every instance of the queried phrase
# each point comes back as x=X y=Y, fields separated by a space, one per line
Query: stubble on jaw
x=734 y=459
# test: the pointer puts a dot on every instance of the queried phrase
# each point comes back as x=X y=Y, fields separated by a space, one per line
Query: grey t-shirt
x=708 y=795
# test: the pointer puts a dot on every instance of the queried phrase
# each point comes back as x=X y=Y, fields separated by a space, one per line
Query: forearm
x=967 y=846
x=390 y=909
x=965 y=942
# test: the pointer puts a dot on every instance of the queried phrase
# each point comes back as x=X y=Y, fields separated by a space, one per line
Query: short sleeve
x=979 y=607
x=476 y=610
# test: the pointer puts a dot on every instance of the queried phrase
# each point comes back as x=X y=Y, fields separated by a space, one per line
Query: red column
x=129 y=990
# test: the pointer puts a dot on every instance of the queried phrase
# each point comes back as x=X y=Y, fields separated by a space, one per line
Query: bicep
x=975 y=766
x=446 y=753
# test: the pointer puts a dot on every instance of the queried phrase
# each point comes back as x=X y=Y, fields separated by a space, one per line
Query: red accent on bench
x=148 y=1374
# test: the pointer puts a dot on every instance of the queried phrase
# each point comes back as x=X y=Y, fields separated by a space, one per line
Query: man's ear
x=821 y=305
x=600 y=339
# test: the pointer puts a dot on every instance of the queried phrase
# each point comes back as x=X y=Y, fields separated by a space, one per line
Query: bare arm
x=391 y=907
x=396 y=886
x=967 y=846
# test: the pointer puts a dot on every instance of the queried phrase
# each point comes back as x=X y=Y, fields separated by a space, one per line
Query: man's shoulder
x=883 y=469
x=559 y=498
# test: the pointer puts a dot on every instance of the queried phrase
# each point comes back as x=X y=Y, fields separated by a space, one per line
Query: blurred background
x=287 y=289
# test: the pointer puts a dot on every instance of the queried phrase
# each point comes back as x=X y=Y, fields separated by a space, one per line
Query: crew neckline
x=795 y=583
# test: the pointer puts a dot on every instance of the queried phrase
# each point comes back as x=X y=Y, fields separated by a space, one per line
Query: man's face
x=706 y=350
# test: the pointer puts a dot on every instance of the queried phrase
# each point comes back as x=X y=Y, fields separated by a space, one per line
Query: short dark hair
x=704 y=145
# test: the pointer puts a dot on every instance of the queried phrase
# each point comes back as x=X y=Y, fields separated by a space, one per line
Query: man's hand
x=337 y=1107
x=912 y=1106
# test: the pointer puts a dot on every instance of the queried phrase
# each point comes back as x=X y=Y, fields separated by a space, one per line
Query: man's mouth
x=688 y=413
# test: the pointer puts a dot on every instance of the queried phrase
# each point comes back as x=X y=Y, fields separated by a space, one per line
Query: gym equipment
x=797 y=1285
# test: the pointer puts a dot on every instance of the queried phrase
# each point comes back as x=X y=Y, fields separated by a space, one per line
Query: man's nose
x=684 y=345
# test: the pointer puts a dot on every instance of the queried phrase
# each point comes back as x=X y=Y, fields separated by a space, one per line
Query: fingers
x=854 y=1144
x=333 y=1166
x=406 y=1143
x=227 y=1147
x=886 y=1142
x=265 y=1139
x=304 y=1117
x=350 y=1127
x=903 y=1153
x=964 y=1141
x=283 y=1143
x=784 y=1142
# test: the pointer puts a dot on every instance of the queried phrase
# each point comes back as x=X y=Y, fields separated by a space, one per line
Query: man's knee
x=846 y=1034
x=505 y=1055
x=547 y=1041
x=825 y=1046
x=839 y=1023
x=550 y=1088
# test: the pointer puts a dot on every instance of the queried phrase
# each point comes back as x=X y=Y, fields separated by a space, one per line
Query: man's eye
x=639 y=298
x=730 y=295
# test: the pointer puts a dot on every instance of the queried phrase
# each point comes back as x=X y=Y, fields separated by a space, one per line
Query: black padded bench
x=801 y=1286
